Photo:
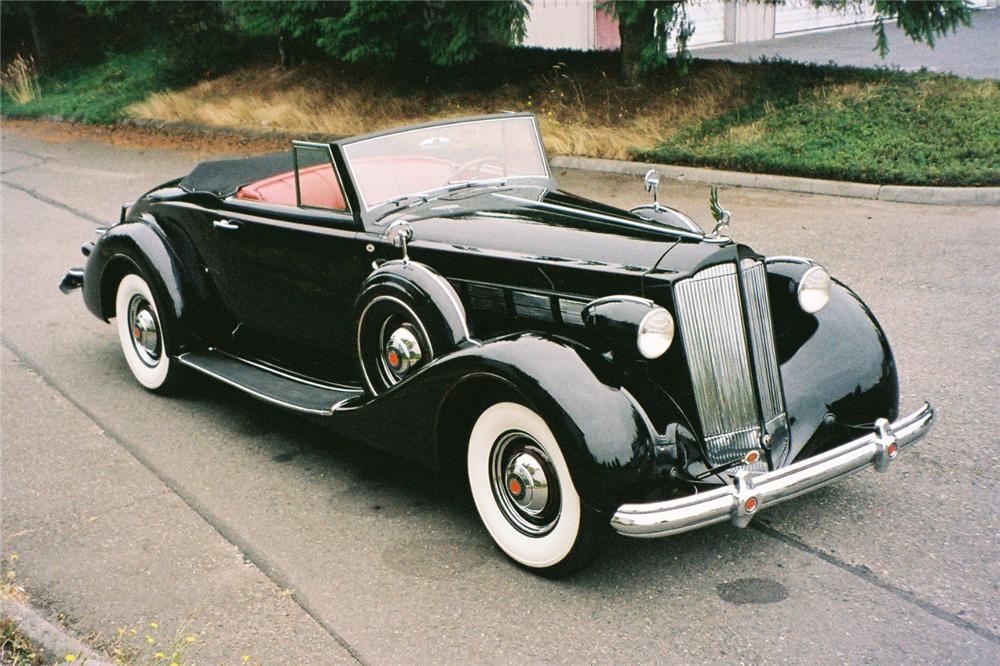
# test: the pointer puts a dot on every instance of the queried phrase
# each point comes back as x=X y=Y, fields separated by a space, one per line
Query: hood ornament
x=719 y=214
x=652 y=184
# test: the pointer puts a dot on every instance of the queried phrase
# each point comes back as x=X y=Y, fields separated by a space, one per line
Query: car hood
x=554 y=227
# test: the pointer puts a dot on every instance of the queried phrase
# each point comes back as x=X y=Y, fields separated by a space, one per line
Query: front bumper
x=750 y=493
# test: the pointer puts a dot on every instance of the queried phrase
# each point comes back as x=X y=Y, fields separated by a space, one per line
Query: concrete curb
x=917 y=194
x=975 y=196
x=51 y=638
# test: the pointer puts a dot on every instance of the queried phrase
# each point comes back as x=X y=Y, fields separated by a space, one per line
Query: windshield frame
x=366 y=209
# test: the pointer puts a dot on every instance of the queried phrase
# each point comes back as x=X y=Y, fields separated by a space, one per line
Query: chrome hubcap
x=402 y=351
x=145 y=330
x=524 y=483
x=527 y=483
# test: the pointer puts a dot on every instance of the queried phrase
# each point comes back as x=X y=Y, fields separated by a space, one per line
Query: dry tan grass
x=19 y=80
x=592 y=117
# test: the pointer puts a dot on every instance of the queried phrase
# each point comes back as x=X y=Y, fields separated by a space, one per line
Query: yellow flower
x=154 y=625
x=174 y=663
x=246 y=657
x=150 y=639
x=131 y=632
x=190 y=639
x=159 y=655
x=13 y=556
x=70 y=658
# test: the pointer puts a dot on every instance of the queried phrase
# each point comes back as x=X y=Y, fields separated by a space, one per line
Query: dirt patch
x=197 y=143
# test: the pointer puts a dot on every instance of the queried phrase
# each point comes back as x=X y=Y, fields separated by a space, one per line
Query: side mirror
x=652 y=182
x=399 y=234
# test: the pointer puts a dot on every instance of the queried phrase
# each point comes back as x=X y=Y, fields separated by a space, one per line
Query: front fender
x=606 y=438
x=837 y=367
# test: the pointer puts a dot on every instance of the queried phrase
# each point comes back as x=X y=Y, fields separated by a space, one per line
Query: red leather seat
x=318 y=184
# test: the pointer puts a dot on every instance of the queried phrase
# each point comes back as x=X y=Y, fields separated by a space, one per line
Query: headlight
x=814 y=289
x=656 y=332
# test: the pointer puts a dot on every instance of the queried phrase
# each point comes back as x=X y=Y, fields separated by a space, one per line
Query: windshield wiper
x=408 y=200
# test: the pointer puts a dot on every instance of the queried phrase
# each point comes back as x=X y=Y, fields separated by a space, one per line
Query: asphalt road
x=971 y=51
x=213 y=513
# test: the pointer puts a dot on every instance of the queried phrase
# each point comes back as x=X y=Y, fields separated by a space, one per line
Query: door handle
x=227 y=225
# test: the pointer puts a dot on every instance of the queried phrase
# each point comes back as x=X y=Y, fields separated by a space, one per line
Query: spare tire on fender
x=405 y=316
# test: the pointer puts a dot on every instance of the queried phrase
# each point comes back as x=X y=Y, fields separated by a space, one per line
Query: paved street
x=269 y=538
x=972 y=52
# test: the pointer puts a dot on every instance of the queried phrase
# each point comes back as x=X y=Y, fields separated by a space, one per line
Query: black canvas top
x=223 y=177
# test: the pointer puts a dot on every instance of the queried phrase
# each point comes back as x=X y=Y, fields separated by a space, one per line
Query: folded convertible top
x=224 y=177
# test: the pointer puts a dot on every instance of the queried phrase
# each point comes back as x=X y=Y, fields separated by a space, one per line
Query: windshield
x=390 y=167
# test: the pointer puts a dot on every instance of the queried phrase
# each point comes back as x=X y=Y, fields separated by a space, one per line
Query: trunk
x=285 y=51
x=635 y=36
x=41 y=47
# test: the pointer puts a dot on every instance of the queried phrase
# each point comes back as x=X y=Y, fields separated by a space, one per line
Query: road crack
x=867 y=575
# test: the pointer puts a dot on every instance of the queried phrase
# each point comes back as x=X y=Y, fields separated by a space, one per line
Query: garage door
x=801 y=15
x=709 y=19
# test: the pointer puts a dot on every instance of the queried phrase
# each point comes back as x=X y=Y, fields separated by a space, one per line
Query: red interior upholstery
x=318 y=183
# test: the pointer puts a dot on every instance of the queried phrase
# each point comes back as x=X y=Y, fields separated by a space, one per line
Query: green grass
x=872 y=126
x=777 y=117
x=99 y=93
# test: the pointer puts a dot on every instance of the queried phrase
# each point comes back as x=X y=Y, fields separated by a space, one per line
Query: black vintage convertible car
x=432 y=291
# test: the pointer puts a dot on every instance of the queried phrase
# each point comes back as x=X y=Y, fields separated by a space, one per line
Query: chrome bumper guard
x=750 y=493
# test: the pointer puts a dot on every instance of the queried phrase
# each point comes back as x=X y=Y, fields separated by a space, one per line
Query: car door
x=291 y=269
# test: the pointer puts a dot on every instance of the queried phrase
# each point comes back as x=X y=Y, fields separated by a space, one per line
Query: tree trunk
x=41 y=47
x=635 y=36
x=285 y=51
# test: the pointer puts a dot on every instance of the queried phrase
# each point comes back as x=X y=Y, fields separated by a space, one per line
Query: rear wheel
x=142 y=335
x=523 y=491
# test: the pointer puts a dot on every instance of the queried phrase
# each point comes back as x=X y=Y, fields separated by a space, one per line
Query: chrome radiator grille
x=729 y=342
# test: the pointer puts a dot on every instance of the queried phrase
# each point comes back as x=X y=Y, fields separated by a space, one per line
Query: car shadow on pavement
x=378 y=486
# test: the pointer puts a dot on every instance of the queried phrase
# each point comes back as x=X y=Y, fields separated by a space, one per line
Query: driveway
x=211 y=513
x=971 y=52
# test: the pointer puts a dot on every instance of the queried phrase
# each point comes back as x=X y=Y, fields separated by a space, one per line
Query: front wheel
x=142 y=335
x=523 y=491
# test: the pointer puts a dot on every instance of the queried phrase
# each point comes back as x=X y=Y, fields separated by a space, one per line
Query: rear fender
x=140 y=245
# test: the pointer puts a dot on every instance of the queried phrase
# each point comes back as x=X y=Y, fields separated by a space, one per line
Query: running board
x=270 y=384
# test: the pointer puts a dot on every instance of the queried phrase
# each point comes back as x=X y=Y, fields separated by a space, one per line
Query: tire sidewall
x=533 y=552
x=151 y=377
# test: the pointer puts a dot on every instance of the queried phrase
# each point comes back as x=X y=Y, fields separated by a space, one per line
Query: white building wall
x=561 y=24
x=571 y=24
x=802 y=16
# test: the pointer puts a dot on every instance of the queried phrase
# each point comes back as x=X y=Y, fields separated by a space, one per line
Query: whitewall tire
x=523 y=490
x=141 y=333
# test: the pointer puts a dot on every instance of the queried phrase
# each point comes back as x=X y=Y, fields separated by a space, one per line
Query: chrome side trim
x=666 y=231
x=621 y=297
x=877 y=449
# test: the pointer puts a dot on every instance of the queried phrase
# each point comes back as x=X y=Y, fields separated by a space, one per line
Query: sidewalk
x=92 y=527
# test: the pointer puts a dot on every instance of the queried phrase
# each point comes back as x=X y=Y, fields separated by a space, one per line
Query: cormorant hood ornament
x=720 y=214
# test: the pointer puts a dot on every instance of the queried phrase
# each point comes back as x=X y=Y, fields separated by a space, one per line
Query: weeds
x=19 y=80
x=866 y=125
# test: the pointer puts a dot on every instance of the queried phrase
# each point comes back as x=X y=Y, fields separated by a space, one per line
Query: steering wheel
x=478 y=165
